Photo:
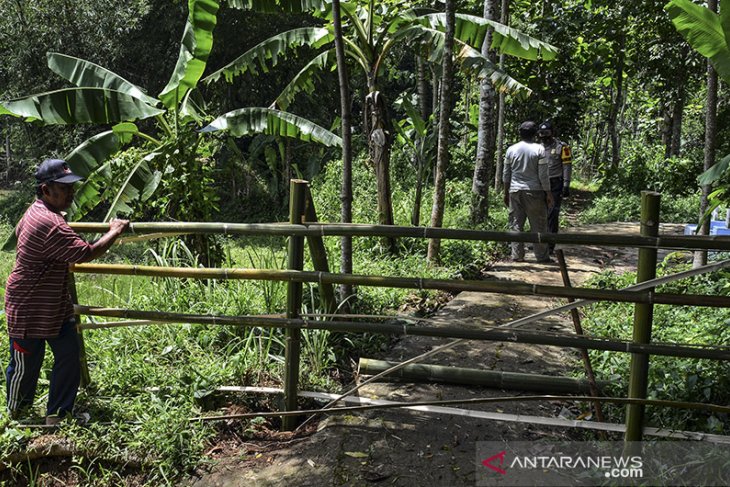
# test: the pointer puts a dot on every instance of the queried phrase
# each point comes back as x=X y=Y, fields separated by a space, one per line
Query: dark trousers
x=556 y=188
x=26 y=359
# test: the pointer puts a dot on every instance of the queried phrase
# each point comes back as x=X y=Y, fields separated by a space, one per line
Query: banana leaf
x=705 y=31
x=270 y=50
x=91 y=160
x=195 y=47
x=139 y=185
x=256 y=120
x=470 y=60
x=472 y=30
x=80 y=105
x=714 y=173
x=275 y=6
x=86 y=74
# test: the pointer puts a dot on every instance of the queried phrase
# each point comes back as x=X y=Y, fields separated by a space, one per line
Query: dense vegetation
x=625 y=90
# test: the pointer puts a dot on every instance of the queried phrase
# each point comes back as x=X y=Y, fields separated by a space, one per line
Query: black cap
x=57 y=171
x=528 y=129
x=546 y=126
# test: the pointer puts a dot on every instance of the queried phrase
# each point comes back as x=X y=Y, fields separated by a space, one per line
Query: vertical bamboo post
x=643 y=314
x=297 y=198
x=85 y=376
x=318 y=253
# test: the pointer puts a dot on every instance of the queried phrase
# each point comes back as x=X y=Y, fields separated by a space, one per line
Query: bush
x=645 y=167
x=670 y=378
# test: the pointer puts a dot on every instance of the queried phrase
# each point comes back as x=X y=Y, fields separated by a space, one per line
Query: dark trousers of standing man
x=556 y=188
x=26 y=359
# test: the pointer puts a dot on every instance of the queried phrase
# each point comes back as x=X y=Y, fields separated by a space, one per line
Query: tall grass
x=148 y=380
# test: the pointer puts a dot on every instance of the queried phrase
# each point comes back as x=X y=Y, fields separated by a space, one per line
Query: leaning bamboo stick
x=501 y=287
x=360 y=230
x=593 y=387
x=493 y=334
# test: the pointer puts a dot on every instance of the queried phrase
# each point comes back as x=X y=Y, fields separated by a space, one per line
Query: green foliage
x=646 y=168
x=670 y=378
x=627 y=208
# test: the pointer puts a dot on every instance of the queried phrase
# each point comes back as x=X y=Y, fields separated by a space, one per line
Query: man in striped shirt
x=38 y=305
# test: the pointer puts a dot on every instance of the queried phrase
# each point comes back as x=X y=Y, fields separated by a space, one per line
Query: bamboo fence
x=309 y=229
x=301 y=226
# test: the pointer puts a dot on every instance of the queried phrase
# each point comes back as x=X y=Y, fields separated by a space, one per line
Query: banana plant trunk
x=380 y=133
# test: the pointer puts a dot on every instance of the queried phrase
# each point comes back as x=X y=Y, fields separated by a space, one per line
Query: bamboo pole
x=643 y=314
x=593 y=388
x=383 y=373
x=487 y=334
x=712 y=242
x=318 y=252
x=85 y=375
x=295 y=259
x=431 y=407
x=698 y=406
x=515 y=288
x=478 y=377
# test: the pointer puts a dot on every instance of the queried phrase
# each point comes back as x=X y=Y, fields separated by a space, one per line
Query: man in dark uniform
x=560 y=167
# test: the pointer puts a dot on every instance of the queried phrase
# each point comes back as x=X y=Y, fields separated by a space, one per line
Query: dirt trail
x=406 y=448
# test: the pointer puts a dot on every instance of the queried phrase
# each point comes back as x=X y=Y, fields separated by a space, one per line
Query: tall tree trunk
x=424 y=96
x=346 y=290
x=680 y=92
x=700 y=257
x=435 y=91
x=499 y=156
x=667 y=131
x=486 y=131
x=424 y=107
x=617 y=101
x=675 y=148
x=442 y=155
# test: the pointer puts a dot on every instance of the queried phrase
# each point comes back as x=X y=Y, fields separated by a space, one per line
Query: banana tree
x=708 y=33
x=413 y=131
x=175 y=154
x=372 y=30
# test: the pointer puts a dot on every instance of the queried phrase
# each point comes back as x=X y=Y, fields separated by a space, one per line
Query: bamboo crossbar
x=361 y=230
x=493 y=334
x=499 y=287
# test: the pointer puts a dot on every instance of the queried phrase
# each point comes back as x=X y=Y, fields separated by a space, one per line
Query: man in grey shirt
x=527 y=190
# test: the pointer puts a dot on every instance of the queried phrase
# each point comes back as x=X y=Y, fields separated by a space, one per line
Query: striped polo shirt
x=37 y=300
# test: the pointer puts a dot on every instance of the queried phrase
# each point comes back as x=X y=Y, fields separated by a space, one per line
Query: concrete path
x=407 y=448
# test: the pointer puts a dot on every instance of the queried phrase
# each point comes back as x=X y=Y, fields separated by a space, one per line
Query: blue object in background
x=717 y=227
